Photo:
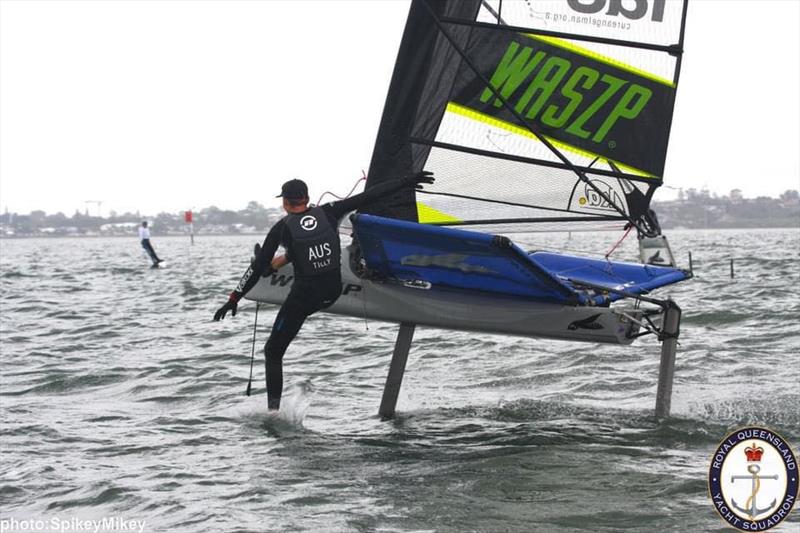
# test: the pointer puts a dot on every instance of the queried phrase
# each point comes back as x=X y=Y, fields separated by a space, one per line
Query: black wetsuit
x=311 y=241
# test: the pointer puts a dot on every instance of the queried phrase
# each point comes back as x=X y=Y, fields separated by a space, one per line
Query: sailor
x=144 y=236
x=310 y=237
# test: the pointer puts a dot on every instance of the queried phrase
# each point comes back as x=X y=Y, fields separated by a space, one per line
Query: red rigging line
x=608 y=253
x=359 y=180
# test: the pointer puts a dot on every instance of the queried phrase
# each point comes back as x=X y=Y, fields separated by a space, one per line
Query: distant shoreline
x=131 y=236
x=694 y=210
x=263 y=234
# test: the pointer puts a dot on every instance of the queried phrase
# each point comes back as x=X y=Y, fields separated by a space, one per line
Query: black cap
x=294 y=190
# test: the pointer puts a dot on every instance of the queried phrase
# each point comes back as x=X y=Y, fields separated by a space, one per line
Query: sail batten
x=516 y=204
x=673 y=49
x=508 y=126
x=539 y=162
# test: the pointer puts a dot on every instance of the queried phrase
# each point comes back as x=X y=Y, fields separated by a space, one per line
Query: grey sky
x=169 y=105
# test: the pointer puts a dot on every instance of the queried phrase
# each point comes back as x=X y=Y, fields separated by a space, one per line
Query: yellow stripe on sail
x=562 y=43
x=428 y=215
x=470 y=113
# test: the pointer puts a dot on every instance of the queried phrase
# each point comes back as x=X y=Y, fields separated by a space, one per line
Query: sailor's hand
x=416 y=180
x=256 y=251
x=230 y=305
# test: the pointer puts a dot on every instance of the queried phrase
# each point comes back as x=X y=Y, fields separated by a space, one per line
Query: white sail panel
x=466 y=127
x=655 y=22
x=471 y=188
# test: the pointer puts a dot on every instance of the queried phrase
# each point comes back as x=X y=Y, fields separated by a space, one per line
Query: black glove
x=230 y=305
x=416 y=180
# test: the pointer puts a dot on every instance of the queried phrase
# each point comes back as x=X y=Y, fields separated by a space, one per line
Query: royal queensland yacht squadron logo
x=753 y=479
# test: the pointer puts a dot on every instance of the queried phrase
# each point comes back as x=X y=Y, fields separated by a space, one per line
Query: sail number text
x=530 y=81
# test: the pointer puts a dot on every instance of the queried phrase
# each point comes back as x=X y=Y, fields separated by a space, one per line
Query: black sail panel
x=422 y=80
x=570 y=94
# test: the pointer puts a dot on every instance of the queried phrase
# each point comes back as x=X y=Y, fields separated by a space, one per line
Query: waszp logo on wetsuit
x=308 y=223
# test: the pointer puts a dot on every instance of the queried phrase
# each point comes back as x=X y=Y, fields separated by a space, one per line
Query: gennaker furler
x=534 y=116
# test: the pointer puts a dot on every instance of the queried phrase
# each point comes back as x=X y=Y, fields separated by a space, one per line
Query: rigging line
x=608 y=253
x=575 y=187
x=359 y=180
x=524 y=122
x=495 y=14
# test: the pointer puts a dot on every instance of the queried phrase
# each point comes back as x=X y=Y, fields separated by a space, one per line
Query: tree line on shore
x=253 y=218
x=692 y=209
x=699 y=209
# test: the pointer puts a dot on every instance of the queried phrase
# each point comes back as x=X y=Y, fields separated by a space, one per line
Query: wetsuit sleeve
x=340 y=208
x=262 y=264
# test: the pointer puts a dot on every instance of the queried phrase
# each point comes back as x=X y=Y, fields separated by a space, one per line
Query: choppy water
x=120 y=397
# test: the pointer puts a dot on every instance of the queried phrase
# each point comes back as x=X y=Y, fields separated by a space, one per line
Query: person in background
x=144 y=236
x=310 y=237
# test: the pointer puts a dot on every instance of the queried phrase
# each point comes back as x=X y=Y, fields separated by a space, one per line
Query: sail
x=549 y=115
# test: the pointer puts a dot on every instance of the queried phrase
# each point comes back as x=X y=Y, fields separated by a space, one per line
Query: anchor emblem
x=757 y=488
x=750 y=507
